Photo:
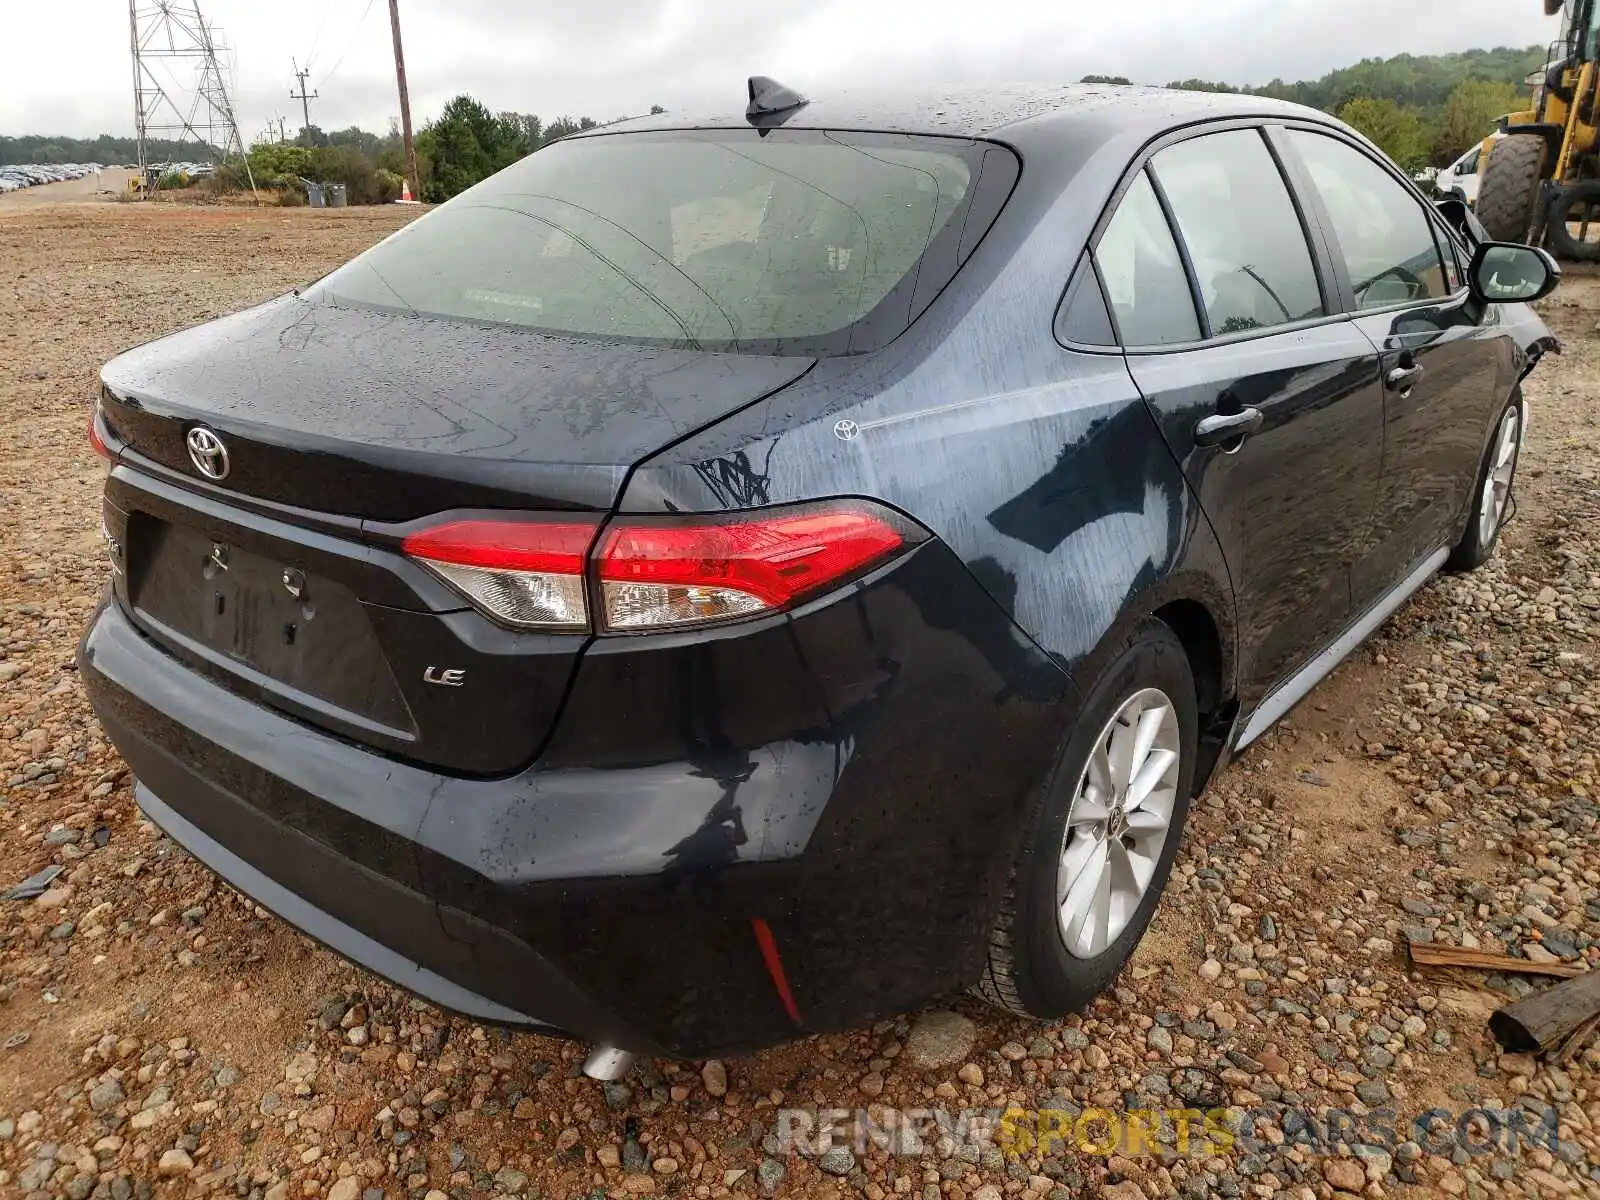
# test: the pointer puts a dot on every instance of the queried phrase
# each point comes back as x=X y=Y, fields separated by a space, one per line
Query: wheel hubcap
x=1497 y=484
x=1120 y=817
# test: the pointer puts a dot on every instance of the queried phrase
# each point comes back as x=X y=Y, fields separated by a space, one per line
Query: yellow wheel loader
x=1541 y=182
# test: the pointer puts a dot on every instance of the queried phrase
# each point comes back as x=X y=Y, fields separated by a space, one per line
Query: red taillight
x=658 y=573
x=96 y=442
x=685 y=571
x=523 y=573
x=546 y=547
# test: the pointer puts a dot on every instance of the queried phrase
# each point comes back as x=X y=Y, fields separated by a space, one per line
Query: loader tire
x=1575 y=199
x=1510 y=187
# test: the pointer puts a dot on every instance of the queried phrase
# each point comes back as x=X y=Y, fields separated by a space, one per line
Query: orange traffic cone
x=405 y=191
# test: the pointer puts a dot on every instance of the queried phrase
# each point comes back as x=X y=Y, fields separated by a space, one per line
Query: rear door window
x=1385 y=237
x=1143 y=273
x=1241 y=230
x=1084 y=319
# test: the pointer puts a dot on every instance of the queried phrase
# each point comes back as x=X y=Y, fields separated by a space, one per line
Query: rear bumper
x=612 y=891
x=392 y=910
x=352 y=884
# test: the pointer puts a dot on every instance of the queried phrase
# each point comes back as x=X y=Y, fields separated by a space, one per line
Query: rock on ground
x=940 y=1039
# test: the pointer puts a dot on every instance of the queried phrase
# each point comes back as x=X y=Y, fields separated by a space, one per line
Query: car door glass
x=1386 y=238
x=1144 y=277
x=1084 y=319
x=1244 y=237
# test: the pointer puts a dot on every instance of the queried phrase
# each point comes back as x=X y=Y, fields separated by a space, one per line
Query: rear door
x=1440 y=372
x=1269 y=403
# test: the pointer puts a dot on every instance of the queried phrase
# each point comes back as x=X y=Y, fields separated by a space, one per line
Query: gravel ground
x=162 y=1035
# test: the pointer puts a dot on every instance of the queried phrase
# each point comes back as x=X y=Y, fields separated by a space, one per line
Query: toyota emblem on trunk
x=207 y=453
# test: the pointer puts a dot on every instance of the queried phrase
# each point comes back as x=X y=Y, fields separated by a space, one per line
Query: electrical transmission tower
x=167 y=38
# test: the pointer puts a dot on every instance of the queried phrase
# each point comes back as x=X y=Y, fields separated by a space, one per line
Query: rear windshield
x=802 y=241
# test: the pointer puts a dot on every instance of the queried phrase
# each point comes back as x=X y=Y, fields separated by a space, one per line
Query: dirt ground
x=161 y=1034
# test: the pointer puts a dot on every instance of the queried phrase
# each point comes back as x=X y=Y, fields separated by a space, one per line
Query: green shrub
x=272 y=160
x=388 y=186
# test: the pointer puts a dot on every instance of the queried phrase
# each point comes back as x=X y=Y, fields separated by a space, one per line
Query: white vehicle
x=1460 y=178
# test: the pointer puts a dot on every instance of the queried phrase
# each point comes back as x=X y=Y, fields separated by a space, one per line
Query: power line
x=316 y=35
x=338 y=62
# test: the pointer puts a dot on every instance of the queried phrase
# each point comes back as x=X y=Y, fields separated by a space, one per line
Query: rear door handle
x=1220 y=428
x=1403 y=379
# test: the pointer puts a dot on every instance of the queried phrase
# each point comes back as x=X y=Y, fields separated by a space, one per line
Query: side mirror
x=1510 y=273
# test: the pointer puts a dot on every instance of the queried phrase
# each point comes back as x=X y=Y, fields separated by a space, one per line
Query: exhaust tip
x=608 y=1064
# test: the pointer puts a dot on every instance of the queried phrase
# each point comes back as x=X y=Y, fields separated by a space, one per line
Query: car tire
x=1491 y=493
x=1031 y=970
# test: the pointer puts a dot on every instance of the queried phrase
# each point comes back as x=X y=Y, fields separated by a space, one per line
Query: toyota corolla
x=726 y=578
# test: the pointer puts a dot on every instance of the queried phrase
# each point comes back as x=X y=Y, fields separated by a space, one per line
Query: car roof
x=989 y=112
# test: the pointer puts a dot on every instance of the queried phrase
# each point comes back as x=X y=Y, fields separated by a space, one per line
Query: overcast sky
x=67 y=68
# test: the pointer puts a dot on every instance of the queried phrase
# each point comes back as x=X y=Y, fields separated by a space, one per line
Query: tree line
x=105 y=149
x=464 y=144
x=1421 y=109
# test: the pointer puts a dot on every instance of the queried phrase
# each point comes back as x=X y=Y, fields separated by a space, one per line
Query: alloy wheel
x=1119 y=821
x=1497 y=483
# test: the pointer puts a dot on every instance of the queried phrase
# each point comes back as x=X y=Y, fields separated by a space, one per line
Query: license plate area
x=273 y=626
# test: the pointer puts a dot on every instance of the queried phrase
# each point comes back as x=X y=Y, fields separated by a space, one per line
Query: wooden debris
x=1568 y=1050
x=1557 y=1020
x=1426 y=954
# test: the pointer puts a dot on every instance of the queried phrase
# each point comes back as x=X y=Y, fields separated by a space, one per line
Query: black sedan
x=723 y=579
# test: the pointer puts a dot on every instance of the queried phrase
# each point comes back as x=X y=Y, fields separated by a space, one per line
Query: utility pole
x=405 y=101
x=304 y=98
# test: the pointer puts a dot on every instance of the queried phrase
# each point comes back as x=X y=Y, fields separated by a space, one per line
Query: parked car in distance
x=14 y=176
x=726 y=578
x=1461 y=178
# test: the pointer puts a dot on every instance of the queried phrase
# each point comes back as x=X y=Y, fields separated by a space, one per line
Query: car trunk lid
x=390 y=417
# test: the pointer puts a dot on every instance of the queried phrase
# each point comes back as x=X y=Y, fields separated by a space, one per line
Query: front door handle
x=1403 y=378
x=1221 y=428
